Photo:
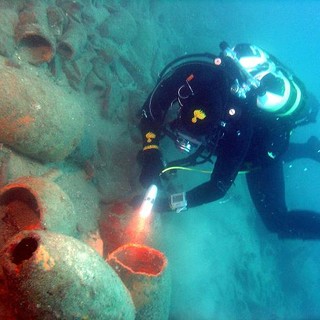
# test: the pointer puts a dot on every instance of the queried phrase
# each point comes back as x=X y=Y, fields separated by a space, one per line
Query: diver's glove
x=152 y=165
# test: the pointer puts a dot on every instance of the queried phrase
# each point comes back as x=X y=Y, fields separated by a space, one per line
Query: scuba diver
x=239 y=107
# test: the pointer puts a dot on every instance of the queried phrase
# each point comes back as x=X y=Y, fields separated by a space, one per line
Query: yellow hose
x=190 y=169
x=184 y=168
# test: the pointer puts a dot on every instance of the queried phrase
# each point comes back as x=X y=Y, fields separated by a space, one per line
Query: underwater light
x=148 y=201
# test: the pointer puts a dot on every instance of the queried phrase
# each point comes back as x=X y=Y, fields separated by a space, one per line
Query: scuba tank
x=280 y=92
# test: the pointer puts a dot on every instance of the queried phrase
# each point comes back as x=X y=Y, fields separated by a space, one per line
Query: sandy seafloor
x=224 y=263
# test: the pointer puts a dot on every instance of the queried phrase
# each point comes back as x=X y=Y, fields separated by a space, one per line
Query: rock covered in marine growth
x=52 y=276
x=35 y=203
x=38 y=117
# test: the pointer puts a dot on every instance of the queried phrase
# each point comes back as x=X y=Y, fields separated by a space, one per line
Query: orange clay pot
x=144 y=271
x=8 y=18
x=57 y=20
x=120 y=224
x=73 y=41
x=38 y=118
x=33 y=36
x=35 y=203
x=53 y=276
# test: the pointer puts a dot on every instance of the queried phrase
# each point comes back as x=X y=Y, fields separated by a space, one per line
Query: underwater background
x=79 y=72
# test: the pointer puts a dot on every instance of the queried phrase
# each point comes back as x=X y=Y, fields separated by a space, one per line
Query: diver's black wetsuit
x=252 y=140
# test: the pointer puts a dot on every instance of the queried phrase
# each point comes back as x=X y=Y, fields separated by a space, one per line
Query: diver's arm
x=215 y=189
x=151 y=124
x=150 y=155
x=205 y=193
x=233 y=150
x=155 y=108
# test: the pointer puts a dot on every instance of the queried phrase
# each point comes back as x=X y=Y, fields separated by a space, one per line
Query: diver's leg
x=267 y=190
x=309 y=149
